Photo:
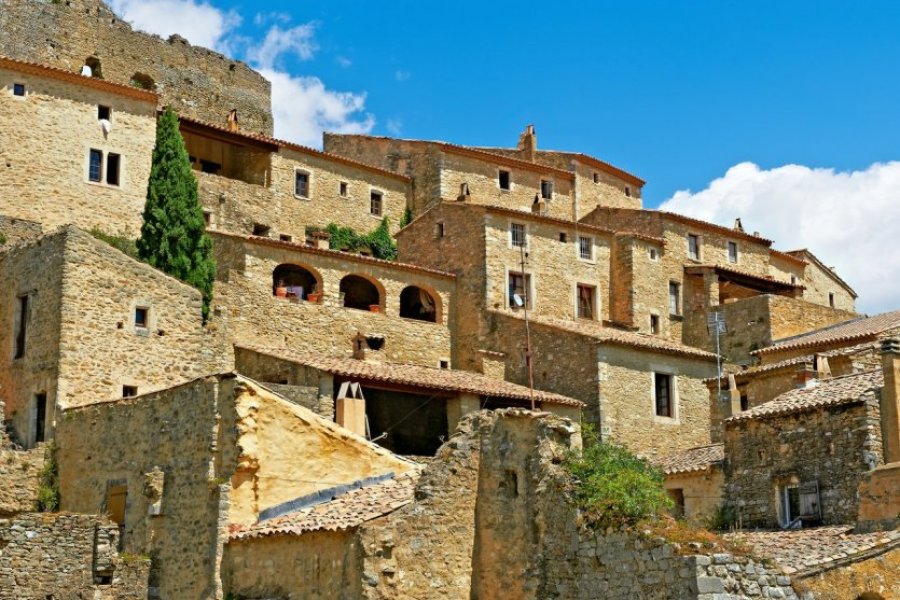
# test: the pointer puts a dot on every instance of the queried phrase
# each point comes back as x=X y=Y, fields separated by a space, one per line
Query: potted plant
x=374 y=308
x=281 y=289
x=315 y=295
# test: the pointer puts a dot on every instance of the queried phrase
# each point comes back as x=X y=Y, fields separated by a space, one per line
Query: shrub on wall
x=121 y=241
x=48 y=486
x=377 y=242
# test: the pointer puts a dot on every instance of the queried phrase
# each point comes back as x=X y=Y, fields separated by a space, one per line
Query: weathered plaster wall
x=44 y=174
x=702 y=492
x=193 y=80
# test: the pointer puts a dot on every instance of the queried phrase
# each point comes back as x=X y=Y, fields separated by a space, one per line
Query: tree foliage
x=407 y=217
x=173 y=236
x=613 y=486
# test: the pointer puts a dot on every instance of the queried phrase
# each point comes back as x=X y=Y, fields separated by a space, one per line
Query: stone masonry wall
x=17 y=230
x=834 y=446
x=194 y=80
x=66 y=557
x=44 y=174
x=19 y=479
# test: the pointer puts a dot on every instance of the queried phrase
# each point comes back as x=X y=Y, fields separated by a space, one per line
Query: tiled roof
x=298 y=247
x=847 y=331
x=847 y=389
x=347 y=511
x=609 y=335
x=815 y=549
x=600 y=164
x=692 y=460
x=504 y=160
x=799 y=360
x=33 y=68
x=451 y=380
x=766 y=279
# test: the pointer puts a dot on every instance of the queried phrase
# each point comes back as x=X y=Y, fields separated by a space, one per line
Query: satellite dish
x=517 y=299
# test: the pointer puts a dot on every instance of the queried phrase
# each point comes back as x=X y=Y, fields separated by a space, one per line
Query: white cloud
x=298 y=40
x=199 y=22
x=304 y=108
x=344 y=62
x=849 y=220
x=401 y=75
x=394 y=126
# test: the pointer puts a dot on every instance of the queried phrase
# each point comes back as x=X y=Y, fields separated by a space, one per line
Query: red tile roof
x=763 y=279
x=854 y=330
x=347 y=511
x=693 y=460
x=824 y=393
x=451 y=380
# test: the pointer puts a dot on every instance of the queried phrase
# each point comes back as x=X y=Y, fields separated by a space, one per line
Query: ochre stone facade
x=17 y=230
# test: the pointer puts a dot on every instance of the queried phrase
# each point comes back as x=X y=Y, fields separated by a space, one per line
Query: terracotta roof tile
x=847 y=389
x=743 y=273
x=692 y=460
x=347 y=511
x=799 y=360
x=452 y=380
x=847 y=331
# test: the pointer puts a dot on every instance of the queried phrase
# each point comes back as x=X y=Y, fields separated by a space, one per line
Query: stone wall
x=67 y=556
x=19 y=479
x=701 y=491
x=253 y=315
x=44 y=175
x=833 y=446
x=194 y=80
x=17 y=230
x=820 y=282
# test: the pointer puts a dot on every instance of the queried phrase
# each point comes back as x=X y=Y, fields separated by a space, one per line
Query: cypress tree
x=173 y=236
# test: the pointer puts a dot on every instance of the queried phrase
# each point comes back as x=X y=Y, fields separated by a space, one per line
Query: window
x=519 y=290
x=21 y=326
x=563 y=237
x=628 y=191
x=745 y=402
x=343 y=189
x=301 y=184
x=439 y=230
x=546 y=189
x=444 y=364
x=831 y=299
x=207 y=217
x=793 y=279
x=517 y=235
x=585 y=247
x=790 y=505
x=95 y=165
x=104 y=112
x=116 y=501
x=662 y=397
x=677 y=497
x=261 y=230
x=40 y=417
x=654 y=324
x=586 y=301
x=142 y=317
x=112 y=168
x=286 y=238
x=732 y=252
x=129 y=391
x=693 y=247
x=596 y=177
x=375 y=199
x=653 y=253
x=674 y=298
x=503 y=180
x=18 y=89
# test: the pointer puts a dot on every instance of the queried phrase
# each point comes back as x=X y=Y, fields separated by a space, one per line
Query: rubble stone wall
x=17 y=230
x=19 y=479
x=195 y=81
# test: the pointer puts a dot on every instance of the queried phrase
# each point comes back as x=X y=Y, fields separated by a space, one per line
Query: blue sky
x=682 y=94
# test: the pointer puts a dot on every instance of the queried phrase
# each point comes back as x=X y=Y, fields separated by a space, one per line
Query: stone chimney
x=528 y=143
x=806 y=376
x=321 y=240
x=890 y=399
x=734 y=394
x=539 y=206
x=464 y=193
x=823 y=369
x=738 y=226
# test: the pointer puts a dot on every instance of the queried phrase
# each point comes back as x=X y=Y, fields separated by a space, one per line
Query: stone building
x=694 y=481
x=195 y=81
x=179 y=468
x=567 y=185
x=254 y=184
x=83 y=146
x=83 y=322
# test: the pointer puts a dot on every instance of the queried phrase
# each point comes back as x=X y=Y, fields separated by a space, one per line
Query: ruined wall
x=44 y=174
x=877 y=574
x=833 y=446
x=17 y=230
x=19 y=479
x=193 y=80
x=244 y=296
x=59 y=555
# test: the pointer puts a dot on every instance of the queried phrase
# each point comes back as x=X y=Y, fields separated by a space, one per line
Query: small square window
x=585 y=247
x=103 y=112
x=439 y=230
x=628 y=191
x=375 y=203
x=129 y=391
x=654 y=324
x=343 y=189
x=693 y=246
x=732 y=252
x=286 y=238
x=261 y=230
x=653 y=253
x=444 y=364
x=142 y=317
x=18 y=89
x=662 y=397
x=113 y=163
x=563 y=237
x=503 y=180
x=95 y=165
x=517 y=235
x=301 y=184
x=546 y=189
x=596 y=177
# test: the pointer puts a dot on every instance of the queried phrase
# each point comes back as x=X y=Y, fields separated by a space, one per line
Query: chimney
x=321 y=240
x=539 y=206
x=350 y=408
x=890 y=399
x=528 y=143
x=464 y=193
x=806 y=376
x=738 y=226
x=823 y=369
x=735 y=394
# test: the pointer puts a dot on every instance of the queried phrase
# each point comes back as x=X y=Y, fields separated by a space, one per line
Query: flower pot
x=314 y=298
x=374 y=308
x=281 y=292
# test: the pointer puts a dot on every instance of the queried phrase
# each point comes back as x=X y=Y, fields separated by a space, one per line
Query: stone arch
x=143 y=81
x=420 y=304
x=297 y=281
x=94 y=63
x=361 y=292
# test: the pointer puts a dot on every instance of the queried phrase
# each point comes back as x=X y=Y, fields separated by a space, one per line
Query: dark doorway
x=415 y=424
x=40 y=417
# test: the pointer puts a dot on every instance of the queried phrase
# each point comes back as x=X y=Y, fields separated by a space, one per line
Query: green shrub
x=613 y=486
x=378 y=242
x=121 y=241
x=406 y=219
x=724 y=519
x=2 y=239
x=48 y=486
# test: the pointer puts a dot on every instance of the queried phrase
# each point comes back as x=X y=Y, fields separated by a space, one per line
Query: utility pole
x=522 y=262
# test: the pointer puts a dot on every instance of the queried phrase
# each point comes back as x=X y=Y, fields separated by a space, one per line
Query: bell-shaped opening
x=360 y=293
x=417 y=303
x=294 y=281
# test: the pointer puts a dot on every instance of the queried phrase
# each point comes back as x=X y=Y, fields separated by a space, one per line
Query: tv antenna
x=523 y=261
x=715 y=324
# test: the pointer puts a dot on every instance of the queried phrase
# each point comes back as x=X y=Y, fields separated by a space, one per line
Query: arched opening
x=93 y=63
x=870 y=596
x=143 y=81
x=416 y=303
x=360 y=293
x=295 y=282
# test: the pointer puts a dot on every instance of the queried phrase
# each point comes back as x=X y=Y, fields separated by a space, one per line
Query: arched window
x=360 y=293
x=294 y=281
x=143 y=81
x=416 y=303
x=93 y=63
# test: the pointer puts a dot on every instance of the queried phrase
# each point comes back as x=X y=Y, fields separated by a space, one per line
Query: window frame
x=527 y=288
x=145 y=310
x=373 y=194
x=18 y=86
x=508 y=173
x=92 y=153
x=671 y=396
x=344 y=189
x=580 y=249
x=512 y=238
x=652 y=254
x=550 y=186
x=100 y=110
x=655 y=324
x=117 y=171
x=733 y=259
x=693 y=253
x=594 y=298
x=676 y=286
x=297 y=174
